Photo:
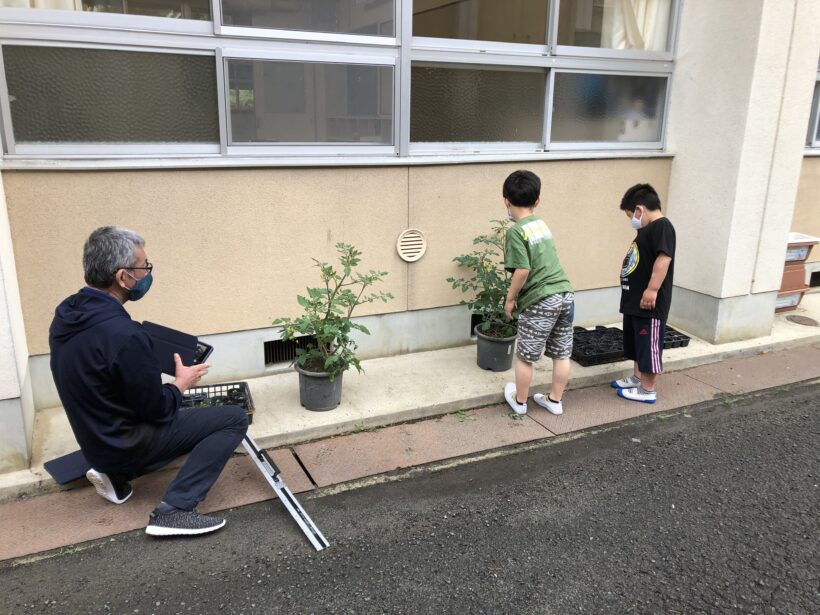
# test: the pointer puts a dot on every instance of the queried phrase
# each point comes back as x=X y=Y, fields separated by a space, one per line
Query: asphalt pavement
x=707 y=509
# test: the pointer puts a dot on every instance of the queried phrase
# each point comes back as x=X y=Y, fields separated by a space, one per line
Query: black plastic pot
x=494 y=353
x=317 y=392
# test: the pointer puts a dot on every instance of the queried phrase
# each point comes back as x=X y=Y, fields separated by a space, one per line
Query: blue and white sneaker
x=639 y=394
x=629 y=382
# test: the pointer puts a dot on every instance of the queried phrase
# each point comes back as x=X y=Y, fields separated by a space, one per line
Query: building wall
x=807 y=206
x=232 y=248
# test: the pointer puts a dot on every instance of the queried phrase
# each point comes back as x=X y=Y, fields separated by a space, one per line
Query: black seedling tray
x=597 y=346
x=229 y=394
x=675 y=339
x=606 y=345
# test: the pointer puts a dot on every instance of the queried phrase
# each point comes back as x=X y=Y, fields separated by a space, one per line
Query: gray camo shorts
x=546 y=328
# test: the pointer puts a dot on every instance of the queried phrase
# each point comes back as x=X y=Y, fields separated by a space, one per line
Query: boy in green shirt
x=539 y=291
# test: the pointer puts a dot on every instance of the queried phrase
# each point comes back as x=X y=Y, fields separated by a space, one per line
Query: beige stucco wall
x=807 y=206
x=232 y=248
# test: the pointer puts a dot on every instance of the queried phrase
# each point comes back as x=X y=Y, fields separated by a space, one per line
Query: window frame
x=93 y=149
x=242 y=32
x=624 y=54
x=614 y=145
x=64 y=28
x=813 y=139
x=300 y=148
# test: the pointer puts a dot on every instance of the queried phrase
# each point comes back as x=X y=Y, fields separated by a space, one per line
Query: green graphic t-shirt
x=529 y=246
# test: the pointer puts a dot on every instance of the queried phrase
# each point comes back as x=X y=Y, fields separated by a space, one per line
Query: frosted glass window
x=371 y=17
x=303 y=102
x=67 y=95
x=476 y=104
x=615 y=24
x=179 y=9
x=511 y=21
x=588 y=107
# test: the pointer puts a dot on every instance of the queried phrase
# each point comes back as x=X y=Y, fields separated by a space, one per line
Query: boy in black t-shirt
x=646 y=291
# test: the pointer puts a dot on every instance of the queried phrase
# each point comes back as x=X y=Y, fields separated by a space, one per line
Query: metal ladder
x=274 y=478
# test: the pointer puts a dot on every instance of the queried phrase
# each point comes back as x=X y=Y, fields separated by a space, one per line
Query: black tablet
x=168 y=341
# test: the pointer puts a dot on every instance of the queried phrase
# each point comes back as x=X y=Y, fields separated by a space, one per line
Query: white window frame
x=660 y=144
x=221 y=29
x=301 y=148
x=814 y=120
x=624 y=54
x=156 y=34
x=95 y=149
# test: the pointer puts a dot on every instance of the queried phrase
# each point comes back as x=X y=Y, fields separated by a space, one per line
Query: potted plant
x=487 y=286
x=330 y=350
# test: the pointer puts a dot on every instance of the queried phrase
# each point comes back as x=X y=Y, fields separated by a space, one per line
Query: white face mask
x=636 y=222
x=510 y=216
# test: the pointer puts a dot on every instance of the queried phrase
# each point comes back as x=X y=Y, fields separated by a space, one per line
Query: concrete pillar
x=16 y=400
x=740 y=104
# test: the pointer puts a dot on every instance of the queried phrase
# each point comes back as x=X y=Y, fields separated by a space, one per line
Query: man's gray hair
x=106 y=251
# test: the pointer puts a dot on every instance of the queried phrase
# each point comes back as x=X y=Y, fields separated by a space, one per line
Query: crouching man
x=126 y=421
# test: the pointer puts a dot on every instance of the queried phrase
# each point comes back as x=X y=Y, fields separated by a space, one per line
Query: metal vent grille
x=284 y=351
x=411 y=245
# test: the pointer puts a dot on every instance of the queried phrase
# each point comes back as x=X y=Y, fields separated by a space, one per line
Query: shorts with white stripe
x=643 y=342
x=546 y=328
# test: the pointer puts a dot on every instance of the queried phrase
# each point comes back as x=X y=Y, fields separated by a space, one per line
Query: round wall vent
x=411 y=245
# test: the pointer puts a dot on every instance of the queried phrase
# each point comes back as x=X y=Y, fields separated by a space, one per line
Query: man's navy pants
x=210 y=435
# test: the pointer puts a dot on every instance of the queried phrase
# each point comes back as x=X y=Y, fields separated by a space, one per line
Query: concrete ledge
x=405 y=388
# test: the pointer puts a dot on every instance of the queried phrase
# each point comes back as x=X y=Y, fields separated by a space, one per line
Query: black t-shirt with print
x=655 y=238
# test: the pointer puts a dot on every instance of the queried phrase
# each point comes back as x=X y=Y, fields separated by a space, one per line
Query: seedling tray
x=228 y=394
x=597 y=346
x=606 y=345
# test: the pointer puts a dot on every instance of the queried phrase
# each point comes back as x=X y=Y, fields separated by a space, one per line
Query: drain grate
x=284 y=351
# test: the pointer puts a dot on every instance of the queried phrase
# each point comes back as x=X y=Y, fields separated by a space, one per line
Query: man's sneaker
x=182 y=523
x=555 y=407
x=509 y=395
x=630 y=382
x=115 y=491
x=639 y=394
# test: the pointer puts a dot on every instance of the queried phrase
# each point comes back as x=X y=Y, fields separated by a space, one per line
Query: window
x=390 y=79
x=511 y=21
x=813 y=139
x=181 y=9
x=70 y=95
x=616 y=24
x=617 y=109
x=307 y=102
x=476 y=104
x=360 y=17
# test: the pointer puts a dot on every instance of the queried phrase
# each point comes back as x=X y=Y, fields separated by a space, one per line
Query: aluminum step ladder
x=271 y=473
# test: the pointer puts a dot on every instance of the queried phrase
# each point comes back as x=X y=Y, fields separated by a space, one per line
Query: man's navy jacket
x=109 y=380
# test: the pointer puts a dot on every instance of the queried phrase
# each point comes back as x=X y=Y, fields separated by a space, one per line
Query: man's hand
x=648 y=299
x=509 y=306
x=187 y=376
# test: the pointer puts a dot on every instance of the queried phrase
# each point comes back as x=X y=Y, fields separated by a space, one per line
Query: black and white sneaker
x=113 y=490
x=182 y=523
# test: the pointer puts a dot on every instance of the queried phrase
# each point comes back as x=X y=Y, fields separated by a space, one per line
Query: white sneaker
x=509 y=395
x=555 y=407
x=630 y=382
x=116 y=494
x=639 y=394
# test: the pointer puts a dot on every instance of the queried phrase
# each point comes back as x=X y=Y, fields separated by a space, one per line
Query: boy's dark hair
x=641 y=194
x=522 y=188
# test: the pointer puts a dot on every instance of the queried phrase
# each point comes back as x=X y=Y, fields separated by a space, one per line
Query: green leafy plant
x=327 y=314
x=488 y=283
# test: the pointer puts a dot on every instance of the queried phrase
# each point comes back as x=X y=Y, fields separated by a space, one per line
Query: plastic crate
x=228 y=394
